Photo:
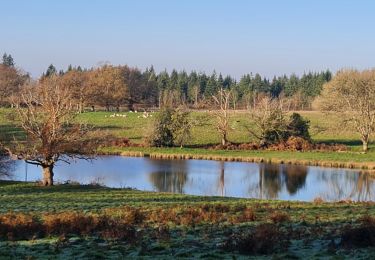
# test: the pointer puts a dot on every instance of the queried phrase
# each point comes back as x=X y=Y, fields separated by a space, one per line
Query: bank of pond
x=211 y=178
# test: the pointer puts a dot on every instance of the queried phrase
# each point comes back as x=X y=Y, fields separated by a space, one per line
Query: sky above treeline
x=234 y=37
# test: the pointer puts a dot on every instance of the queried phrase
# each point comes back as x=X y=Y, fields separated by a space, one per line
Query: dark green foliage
x=282 y=129
x=298 y=126
x=51 y=70
x=8 y=60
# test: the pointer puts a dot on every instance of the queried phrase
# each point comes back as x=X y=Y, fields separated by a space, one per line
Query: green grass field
x=170 y=229
x=324 y=128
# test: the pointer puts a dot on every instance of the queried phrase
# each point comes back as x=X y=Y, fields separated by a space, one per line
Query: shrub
x=162 y=134
x=298 y=127
x=362 y=236
x=265 y=239
x=172 y=126
x=296 y=143
x=69 y=223
x=246 y=215
x=279 y=217
x=19 y=226
x=318 y=200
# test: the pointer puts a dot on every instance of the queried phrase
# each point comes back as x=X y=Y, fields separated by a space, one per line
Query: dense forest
x=114 y=87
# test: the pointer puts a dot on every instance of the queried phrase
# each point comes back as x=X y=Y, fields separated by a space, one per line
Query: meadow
x=93 y=222
x=323 y=127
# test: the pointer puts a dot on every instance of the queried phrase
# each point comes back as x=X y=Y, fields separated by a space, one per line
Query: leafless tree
x=351 y=94
x=46 y=114
x=267 y=117
x=222 y=100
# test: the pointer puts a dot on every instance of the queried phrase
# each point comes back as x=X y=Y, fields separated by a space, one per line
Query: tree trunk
x=224 y=140
x=365 y=145
x=130 y=105
x=47 y=175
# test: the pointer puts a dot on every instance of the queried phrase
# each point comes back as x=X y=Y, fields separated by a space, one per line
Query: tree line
x=112 y=87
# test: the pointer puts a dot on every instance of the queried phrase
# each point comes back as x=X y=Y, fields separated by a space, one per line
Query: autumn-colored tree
x=11 y=80
x=76 y=81
x=351 y=94
x=47 y=117
x=107 y=87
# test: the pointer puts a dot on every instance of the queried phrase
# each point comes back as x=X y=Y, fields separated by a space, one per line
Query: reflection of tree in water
x=6 y=167
x=269 y=180
x=171 y=177
x=221 y=179
x=272 y=178
x=363 y=188
x=337 y=184
x=346 y=184
x=295 y=177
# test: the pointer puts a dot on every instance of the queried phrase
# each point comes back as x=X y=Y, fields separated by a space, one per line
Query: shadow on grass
x=108 y=127
x=9 y=132
x=347 y=142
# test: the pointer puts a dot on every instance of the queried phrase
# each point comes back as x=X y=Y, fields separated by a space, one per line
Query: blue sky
x=272 y=37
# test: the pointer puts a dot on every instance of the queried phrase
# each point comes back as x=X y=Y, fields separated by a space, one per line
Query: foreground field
x=72 y=221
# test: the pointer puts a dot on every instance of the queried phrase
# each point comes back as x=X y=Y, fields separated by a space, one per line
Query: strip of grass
x=174 y=225
x=348 y=159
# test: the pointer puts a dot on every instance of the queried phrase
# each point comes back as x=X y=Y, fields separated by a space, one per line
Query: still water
x=201 y=177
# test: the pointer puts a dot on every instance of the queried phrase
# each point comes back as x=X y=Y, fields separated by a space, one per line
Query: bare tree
x=351 y=94
x=222 y=100
x=268 y=117
x=46 y=114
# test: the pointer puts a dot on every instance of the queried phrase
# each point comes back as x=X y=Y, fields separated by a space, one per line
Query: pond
x=202 y=177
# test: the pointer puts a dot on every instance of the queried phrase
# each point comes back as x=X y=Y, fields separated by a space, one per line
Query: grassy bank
x=161 y=225
x=349 y=159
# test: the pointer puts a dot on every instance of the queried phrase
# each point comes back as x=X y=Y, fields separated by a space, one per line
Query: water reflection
x=199 y=177
x=342 y=185
x=7 y=168
x=275 y=179
x=222 y=179
x=171 y=177
x=295 y=177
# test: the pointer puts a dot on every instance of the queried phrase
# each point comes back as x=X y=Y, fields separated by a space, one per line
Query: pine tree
x=212 y=86
x=51 y=70
x=8 y=60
